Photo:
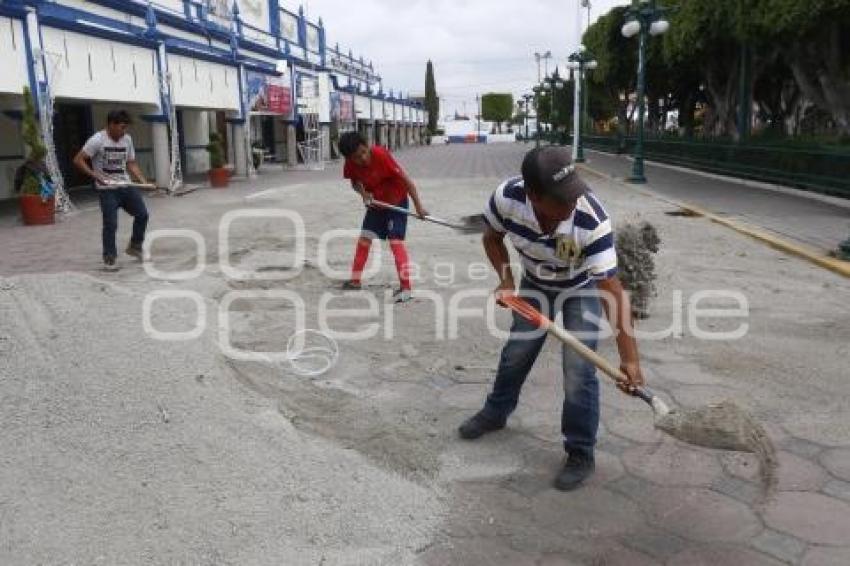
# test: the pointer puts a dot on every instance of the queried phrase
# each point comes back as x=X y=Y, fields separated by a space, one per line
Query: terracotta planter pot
x=219 y=178
x=35 y=211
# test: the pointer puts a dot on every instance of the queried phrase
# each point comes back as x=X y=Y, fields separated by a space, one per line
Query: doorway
x=72 y=127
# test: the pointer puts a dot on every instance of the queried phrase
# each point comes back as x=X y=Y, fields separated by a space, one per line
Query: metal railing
x=823 y=169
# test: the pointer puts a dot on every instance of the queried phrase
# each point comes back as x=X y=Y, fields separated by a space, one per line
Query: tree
x=813 y=38
x=497 y=107
x=432 y=101
x=562 y=116
x=708 y=37
x=788 y=58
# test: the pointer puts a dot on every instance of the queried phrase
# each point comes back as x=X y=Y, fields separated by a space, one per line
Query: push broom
x=722 y=426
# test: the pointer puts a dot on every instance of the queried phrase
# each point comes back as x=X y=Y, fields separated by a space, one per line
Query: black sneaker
x=579 y=466
x=351 y=286
x=109 y=263
x=478 y=425
x=135 y=251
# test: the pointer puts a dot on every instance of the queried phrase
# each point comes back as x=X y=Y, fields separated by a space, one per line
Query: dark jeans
x=130 y=199
x=580 y=415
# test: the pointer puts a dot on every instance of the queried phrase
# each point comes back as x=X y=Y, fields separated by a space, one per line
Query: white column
x=161 y=154
x=291 y=148
x=231 y=135
x=326 y=142
x=240 y=151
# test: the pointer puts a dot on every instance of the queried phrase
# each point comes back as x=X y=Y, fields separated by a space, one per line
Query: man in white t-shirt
x=113 y=160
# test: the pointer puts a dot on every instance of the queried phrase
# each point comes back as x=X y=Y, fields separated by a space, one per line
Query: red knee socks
x=361 y=256
x=402 y=262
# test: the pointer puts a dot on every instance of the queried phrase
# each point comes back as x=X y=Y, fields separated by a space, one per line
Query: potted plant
x=219 y=176
x=38 y=204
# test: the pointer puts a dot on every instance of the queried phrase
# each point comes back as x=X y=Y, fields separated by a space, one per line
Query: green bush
x=216 y=151
x=36 y=151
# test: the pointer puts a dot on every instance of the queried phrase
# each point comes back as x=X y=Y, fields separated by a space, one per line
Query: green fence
x=821 y=169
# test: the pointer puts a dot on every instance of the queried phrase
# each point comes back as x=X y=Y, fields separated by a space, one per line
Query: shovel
x=722 y=426
x=471 y=224
x=142 y=186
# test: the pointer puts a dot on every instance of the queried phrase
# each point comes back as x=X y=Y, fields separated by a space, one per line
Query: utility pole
x=527 y=98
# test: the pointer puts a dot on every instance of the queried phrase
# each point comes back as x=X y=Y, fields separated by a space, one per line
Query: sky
x=477 y=46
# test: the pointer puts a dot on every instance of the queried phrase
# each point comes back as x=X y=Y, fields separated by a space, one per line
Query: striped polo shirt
x=580 y=250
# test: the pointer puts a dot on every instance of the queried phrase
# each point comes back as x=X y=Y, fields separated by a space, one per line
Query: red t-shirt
x=382 y=178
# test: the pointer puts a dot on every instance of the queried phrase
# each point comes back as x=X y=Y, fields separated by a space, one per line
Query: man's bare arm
x=497 y=253
x=618 y=308
x=361 y=190
x=136 y=172
x=414 y=194
x=81 y=162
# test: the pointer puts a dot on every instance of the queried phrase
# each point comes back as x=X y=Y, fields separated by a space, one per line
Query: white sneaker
x=402 y=296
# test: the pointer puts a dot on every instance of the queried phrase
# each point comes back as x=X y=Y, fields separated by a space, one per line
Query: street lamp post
x=527 y=98
x=644 y=18
x=545 y=58
x=578 y=62
x=538 y=92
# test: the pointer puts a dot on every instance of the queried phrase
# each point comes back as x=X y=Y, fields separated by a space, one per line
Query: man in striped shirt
x=564 y=239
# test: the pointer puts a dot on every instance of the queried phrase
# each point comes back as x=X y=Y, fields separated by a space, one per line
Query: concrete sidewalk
x=807 y=218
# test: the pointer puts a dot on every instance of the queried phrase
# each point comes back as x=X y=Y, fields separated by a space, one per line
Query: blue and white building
x=256 y=71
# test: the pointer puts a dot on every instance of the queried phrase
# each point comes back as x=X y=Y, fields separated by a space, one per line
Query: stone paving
x=651 y=501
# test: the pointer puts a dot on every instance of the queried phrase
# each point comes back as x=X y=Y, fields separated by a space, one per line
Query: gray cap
x=550 y=171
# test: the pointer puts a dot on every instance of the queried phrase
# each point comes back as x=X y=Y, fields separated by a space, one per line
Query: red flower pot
x=219 y=178
x=36 y=211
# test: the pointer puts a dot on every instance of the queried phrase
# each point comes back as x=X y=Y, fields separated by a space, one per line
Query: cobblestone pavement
x=652 y=500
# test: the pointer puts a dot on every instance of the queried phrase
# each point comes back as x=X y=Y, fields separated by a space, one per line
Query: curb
x=832 y=264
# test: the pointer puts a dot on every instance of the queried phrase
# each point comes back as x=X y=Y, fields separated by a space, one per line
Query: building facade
x=256 y=72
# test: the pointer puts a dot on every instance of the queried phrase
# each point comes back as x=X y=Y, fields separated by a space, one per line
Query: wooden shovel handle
x=524 y=309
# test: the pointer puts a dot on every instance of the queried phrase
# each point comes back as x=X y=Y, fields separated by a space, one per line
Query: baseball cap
x=550 y=171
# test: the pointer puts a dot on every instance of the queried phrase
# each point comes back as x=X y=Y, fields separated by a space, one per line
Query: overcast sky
x=477 y=46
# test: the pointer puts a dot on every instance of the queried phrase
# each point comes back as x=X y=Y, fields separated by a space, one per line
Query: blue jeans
x=580 y=414
x=130 y=199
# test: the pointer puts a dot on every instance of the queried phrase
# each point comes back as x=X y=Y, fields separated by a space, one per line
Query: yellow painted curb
x=832 y=264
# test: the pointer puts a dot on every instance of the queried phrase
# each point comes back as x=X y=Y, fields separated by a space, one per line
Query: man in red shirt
x=377 y=177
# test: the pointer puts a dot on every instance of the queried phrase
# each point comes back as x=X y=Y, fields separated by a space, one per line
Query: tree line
x=786 y=61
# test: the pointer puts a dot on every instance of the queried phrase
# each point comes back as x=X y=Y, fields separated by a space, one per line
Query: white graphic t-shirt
x=109 y=157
